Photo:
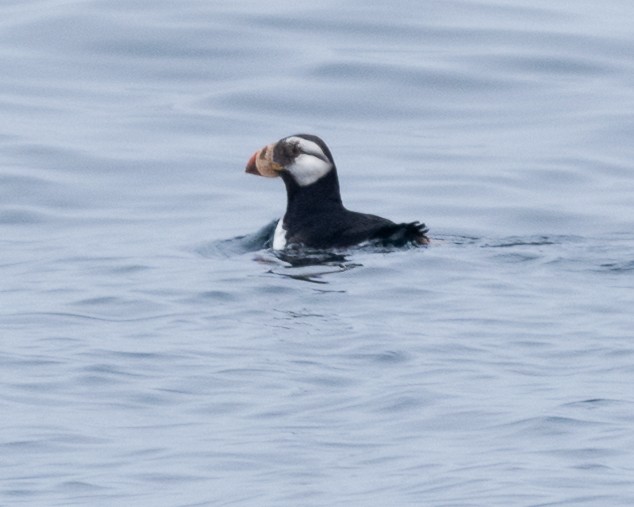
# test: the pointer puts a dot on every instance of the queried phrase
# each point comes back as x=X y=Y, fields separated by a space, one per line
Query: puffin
x=315 y=216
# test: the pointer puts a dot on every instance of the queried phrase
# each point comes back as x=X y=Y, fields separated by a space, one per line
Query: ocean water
x=153 y=353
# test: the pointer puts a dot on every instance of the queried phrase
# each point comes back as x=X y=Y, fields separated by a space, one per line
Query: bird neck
x=324 y=194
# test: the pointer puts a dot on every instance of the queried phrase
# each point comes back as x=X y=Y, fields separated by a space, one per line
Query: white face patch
x=310 y=165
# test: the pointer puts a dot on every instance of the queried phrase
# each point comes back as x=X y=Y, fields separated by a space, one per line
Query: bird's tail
x=404 y=234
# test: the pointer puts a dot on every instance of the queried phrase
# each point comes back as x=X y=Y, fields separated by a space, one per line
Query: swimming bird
x=315 y=216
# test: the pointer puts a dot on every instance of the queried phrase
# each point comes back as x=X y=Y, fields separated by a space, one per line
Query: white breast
x=279 y=238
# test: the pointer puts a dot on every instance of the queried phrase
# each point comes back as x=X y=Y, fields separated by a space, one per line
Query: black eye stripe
x=320 y=156
x=297 y=148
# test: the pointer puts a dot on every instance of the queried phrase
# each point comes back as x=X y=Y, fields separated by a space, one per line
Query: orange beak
x=251 y=167
x=261 y=163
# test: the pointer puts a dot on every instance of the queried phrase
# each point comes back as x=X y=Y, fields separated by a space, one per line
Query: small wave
x=259 y=240
x=515 y=241
x=22 y=216
x=313 y=273
x=71 y=316
x=618 y=267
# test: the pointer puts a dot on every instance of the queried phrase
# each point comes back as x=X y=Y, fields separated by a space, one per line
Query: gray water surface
x=152 y=357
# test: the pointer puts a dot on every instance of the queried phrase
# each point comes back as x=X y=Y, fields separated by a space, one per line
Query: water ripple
x=155 y=350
